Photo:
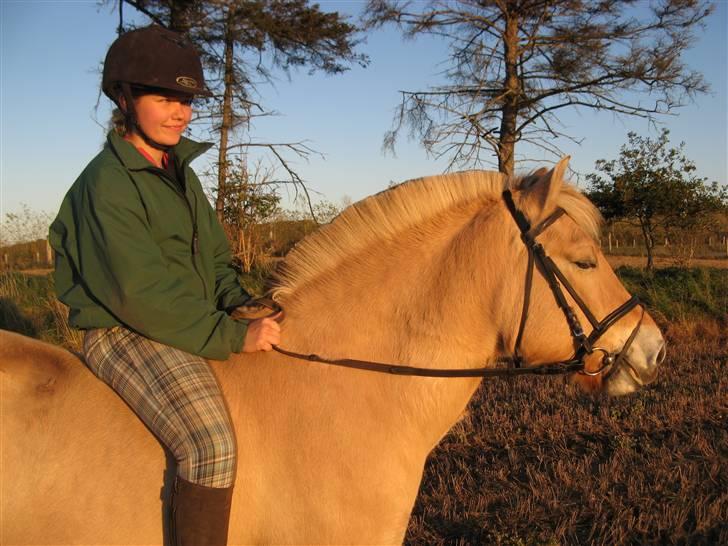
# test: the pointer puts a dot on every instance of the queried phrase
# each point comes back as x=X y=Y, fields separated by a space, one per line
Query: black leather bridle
x=583 y=345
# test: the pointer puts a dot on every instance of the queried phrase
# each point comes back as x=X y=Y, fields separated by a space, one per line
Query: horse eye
x=585 y=265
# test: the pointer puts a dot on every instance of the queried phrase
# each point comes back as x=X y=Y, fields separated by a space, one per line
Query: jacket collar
x=185 y=151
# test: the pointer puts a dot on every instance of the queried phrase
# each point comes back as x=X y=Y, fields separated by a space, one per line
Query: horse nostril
x=661 y=355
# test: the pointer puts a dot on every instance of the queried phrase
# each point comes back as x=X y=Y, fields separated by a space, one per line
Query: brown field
x=534 y=462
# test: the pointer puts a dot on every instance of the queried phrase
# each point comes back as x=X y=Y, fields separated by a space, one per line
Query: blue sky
x=53 y=120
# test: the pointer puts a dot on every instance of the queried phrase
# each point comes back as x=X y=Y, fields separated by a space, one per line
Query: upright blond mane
x=387 y=214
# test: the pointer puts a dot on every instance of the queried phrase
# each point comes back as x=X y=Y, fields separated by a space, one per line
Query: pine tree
x=514 y=65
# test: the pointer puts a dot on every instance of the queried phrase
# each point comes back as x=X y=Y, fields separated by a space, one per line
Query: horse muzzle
x=639 y=364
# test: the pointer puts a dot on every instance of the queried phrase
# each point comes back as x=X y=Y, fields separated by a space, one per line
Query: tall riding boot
x=200 y=515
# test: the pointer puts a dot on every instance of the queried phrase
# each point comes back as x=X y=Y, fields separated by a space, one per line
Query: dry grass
x=70 y=337
x=535 y=462
x=28 y=305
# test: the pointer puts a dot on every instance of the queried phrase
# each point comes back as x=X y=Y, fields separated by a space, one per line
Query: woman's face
x=163 y=118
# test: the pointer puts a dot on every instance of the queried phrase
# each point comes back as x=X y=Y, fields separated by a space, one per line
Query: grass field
x=534 y=461
x=662 y=262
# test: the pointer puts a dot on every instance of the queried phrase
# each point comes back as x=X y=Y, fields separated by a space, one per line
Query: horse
x=429 y=273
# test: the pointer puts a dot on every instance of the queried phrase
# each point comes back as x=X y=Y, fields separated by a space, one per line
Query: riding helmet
x=153 y=57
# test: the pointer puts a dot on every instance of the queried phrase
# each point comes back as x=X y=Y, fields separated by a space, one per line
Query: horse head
x=631 y=340
x=434 y=273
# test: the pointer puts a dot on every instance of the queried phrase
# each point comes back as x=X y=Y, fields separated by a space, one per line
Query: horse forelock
x=387 y=214
x=581 y=210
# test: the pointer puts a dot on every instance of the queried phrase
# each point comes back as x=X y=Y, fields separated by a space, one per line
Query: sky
x=53 y=119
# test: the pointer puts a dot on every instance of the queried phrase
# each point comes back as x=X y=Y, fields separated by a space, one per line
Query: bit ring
x=607 y=360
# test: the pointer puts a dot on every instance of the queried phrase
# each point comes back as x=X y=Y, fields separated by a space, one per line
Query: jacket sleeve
x=125 y=271
x=228 y=292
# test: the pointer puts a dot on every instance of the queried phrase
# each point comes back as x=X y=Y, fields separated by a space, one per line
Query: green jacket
x=127 y=253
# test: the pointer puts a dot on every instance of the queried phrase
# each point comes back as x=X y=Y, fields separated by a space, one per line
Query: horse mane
x=388 y=213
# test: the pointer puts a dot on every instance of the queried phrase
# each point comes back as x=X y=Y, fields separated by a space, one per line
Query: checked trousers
x=177 y=397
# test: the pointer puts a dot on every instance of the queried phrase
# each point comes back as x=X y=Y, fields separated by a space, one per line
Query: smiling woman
x=144 y=266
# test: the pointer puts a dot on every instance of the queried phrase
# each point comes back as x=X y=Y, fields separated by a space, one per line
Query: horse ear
x=532 y=178
x=542 y=188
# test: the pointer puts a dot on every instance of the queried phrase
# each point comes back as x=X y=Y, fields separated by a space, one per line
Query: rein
x=551 y=368
x=584 y=345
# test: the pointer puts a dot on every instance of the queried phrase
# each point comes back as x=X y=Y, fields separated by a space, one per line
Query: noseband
x=583 y=345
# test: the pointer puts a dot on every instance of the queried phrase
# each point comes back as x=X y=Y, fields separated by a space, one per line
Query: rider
x=144 y=266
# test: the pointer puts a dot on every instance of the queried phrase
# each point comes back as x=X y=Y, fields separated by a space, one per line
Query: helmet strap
x=131 y=121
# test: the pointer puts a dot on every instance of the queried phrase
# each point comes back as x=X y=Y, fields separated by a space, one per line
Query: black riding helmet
x=153 y=59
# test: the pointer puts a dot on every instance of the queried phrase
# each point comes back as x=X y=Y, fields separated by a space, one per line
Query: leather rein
x=584 y=345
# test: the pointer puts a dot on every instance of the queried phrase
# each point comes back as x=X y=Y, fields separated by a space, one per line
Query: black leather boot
x=200 y=515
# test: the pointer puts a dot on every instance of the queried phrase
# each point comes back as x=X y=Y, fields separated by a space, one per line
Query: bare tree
x=242 y=42
x=514 y=65
x=251 y=202
x=24 y=226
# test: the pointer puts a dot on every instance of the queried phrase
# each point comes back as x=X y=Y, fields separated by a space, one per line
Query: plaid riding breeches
x=177 y=397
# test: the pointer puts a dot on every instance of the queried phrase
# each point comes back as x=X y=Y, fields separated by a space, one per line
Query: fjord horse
x=429 y=273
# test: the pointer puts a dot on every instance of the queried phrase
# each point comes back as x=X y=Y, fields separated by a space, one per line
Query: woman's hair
x=117 y=123
x=120 y=122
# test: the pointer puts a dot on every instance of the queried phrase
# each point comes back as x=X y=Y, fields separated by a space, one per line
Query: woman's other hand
x=262 y=334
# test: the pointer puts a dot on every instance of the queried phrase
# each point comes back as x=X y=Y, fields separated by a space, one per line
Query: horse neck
x=425 y=300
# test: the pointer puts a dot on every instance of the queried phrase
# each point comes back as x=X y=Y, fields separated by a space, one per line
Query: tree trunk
x=227 y=121
x=511 y=97
x=649 y=243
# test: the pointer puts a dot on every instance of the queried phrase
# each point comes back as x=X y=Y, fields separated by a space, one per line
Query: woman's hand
x=262 y=334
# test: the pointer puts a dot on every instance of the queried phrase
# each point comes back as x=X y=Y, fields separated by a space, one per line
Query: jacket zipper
x=195 y=239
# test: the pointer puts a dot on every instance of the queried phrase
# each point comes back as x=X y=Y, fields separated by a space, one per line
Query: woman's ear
x=122 y=103
x=541 y=191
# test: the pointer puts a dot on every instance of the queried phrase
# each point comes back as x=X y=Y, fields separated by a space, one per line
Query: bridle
x=583 y=345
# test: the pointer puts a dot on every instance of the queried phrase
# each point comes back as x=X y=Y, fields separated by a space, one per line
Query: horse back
x=62 y=431
x=34 y=370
